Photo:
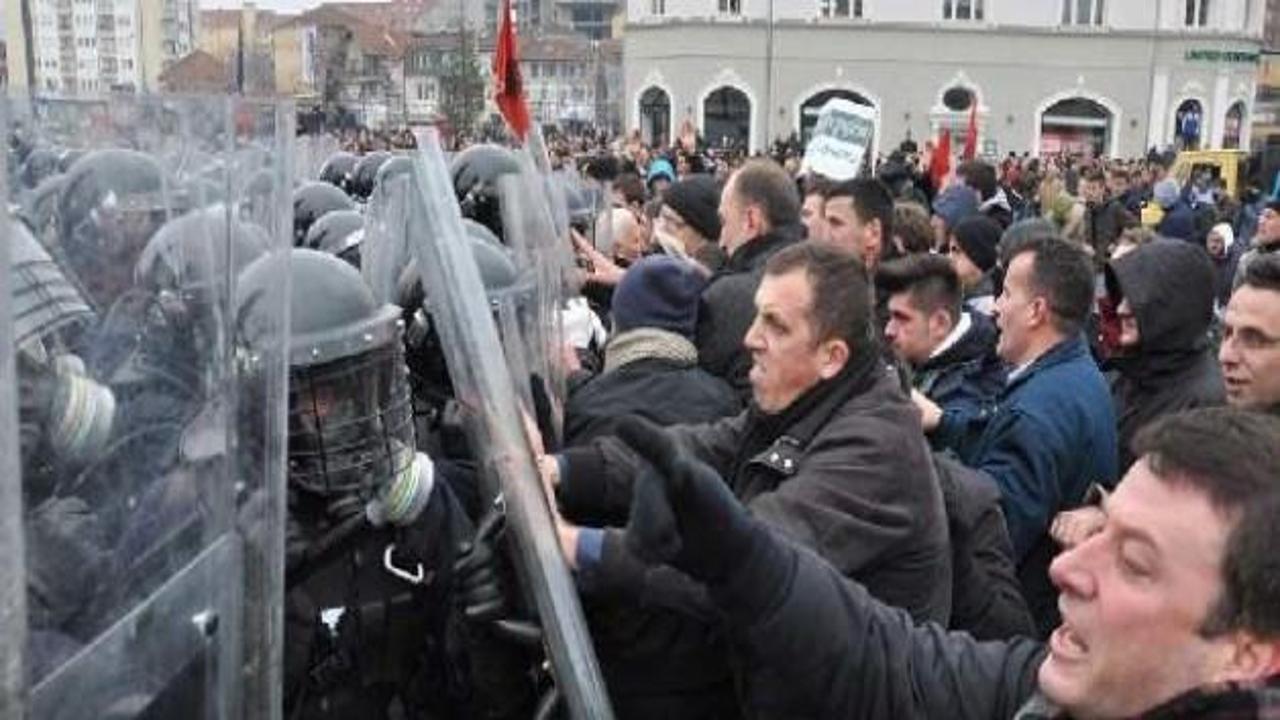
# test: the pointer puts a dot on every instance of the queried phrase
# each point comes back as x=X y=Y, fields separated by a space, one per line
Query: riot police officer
x=371 y=630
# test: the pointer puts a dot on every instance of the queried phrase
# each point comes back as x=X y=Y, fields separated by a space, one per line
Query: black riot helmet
x=338 y=233
x=366 y=174
x=111 y=203
x=44 y=301
x=311 y=201
x=475 y=174
x=41 y=163
x=351 y=439
x=340 y=170
x=428 y=370
x=398 y=166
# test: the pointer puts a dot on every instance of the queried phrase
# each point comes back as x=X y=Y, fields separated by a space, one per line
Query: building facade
x=88 y=46
x=1108 y=78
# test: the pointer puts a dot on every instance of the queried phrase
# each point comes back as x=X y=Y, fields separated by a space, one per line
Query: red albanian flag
x=508 y=88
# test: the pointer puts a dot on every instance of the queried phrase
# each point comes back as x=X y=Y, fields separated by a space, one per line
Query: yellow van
x=1230 y=165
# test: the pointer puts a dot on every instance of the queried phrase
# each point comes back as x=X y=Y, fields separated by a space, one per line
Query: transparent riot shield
x=13 y=597
x=151 y=445
x=311 y=153
x=484 y=388
x=385 y=250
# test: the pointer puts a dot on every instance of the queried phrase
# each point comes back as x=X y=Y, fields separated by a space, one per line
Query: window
x=731 y=7
x=961 y=9
x=1197 y=13
x=840 y=8
x=657 y=7
x=1082 y=12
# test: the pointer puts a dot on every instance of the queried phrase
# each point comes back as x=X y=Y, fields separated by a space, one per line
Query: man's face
x=1250 y=352
x=1268 y=227
x=787 y=358
x=632 y=243
x=913 y=332
x=811 y=216
x=1133 y=597
x=1118 y=184
x=1092 y=191
x=847 y=230
x=1018 y=311
x=1216 y=245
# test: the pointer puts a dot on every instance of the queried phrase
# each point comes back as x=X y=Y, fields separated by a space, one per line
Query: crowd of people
x=996 y=442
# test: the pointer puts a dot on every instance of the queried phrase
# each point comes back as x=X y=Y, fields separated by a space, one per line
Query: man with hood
x=974 y=254
x=1225 y=254
x=1163 y=295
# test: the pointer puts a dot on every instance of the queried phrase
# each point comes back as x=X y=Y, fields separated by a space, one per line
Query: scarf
x=647 y=344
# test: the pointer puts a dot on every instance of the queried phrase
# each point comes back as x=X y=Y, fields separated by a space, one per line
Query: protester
x=994 y=203
x=858 y=216
x=1250 y=352
x=972 y=248
x=912 y=233
x=1053 y=432
x=650 y=357
x=690 y=215
x=759 y=215
x=629 y=234
x=1104 y=217
x=1224 y=252
x=1170 y=609
x=811 y=207
x=1179 y=219
x=951 y=351
x=829 y=454
x=1267 y=239
x=1163 y=295
x=949 y=208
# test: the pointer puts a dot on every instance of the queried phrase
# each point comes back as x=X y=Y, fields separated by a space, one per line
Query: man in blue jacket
x=1053 y=433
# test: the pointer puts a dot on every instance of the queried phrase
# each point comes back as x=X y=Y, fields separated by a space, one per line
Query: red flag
x=940 y=161
x=508 y=88
x=971 y=135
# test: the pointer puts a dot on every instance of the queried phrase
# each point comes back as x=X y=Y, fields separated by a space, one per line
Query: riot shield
x=385 y=250
x=151 y=447
x=483 y=386
x=13 y=598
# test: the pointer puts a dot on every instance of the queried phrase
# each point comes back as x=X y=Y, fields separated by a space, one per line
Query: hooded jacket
x=728 y=307
x=1170 y=287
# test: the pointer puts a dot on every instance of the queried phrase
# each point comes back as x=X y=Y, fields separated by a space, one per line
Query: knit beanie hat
x=658 y=292
x=978 y=236
x=660 y=168
x=1166 y=193
x=955 y=204
x=696 y=199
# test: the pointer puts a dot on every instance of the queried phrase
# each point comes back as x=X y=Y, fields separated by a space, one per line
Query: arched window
x=962 y=9
x=958 y=99
x=1076 y=125
x=727 y=118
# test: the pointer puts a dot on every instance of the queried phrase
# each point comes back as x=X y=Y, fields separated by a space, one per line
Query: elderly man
x=759 y=215
x=1170 y=609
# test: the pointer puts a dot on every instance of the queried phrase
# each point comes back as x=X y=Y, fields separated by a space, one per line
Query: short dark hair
x=841 y=291
x=911 y=223
x=1233 y=457
x=871 y=201
x=1062 y=273
x=631 y=185
x=764 y=183
x=1119 y=172
x=814 y=184
x=930 y=280
x=980 y=176
x=1263 y=273
x=1094 y=174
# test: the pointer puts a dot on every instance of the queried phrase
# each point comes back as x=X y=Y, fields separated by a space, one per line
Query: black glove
x=682 y=512
x=478 y=579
